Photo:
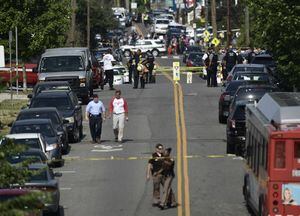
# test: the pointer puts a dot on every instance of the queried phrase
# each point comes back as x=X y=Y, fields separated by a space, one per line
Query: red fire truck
x=272 y=177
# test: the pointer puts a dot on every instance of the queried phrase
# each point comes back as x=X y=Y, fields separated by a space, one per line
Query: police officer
x=213 y=68
x=137 y=69
x=150 y=65
x=154 y=169
x=230 y=60
x=95 y=113
x=240 y=58
x=251 y=55
x=130 y=65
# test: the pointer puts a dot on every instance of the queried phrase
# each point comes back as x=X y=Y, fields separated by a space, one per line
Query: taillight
x=232 y=123
x=189 y=63
x=222 y=96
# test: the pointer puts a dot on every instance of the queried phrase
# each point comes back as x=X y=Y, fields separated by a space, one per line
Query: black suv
x=67 y=104
x=48 y=113
x=236 y=130
x=54 y=85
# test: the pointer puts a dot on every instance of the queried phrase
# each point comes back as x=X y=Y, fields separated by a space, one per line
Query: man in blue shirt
x=95 y=113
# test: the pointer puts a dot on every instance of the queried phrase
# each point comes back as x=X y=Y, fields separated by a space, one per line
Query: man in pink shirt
x=119 y=110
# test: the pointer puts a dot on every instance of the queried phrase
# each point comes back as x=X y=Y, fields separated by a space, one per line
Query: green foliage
x=101 y=19
x=275 y=26
x=41 y=24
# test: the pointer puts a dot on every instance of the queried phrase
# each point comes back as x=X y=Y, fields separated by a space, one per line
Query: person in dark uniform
x=150 y=65
x=154 y=169
x=206 y=60
x=229 y=60
x=137 y=59
x=251 y=55
x=168 y=198
x=213 y=68
x=240 y=59
x=130 y=66
x=95 y=113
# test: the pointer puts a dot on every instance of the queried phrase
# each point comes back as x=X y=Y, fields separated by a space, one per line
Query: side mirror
x=65 y=121
x=58 y=174
x=29 y=96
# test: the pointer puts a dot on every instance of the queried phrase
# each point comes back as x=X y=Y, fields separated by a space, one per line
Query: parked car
x=48 y=113
x=247 y=67
x=51 y=137
x=161 y=25
x=194 y=59
x=44 y=180
x=68 y=65
x=190 y=49
x=265 y=59
x=154 y=46
x=54 y=85
x=122 y=70
x=250 y=93
x=67 y=105
x=34 y=155
x=253 y=76
x=236 y=130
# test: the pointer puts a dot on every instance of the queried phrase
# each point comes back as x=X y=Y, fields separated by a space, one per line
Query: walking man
x=108 y=60
x=153 y=168
x=95 y=113
x=213 y=68
x=119 y=109
x=230 y=60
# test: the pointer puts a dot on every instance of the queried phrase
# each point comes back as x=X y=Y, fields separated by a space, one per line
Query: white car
x=161 y=25
x=170 y=17
x=118 y=77
x=123 y=71
x=154 y=46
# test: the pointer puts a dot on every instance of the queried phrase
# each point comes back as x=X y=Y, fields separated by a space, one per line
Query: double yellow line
x=183 y=192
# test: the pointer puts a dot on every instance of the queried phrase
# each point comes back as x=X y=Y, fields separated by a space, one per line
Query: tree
x=275 y=26
x=41 y=24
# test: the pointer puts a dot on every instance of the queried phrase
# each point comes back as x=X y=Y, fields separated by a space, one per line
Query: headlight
x=51 y=147
x=70 y=119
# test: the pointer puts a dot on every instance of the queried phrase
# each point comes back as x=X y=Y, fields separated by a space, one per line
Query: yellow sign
x=176 y=71
x=215 y=41
x=206 y=39
x=206 y=33
x=202 y=20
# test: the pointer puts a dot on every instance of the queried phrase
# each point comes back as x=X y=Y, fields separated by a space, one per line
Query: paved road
x=109 y=179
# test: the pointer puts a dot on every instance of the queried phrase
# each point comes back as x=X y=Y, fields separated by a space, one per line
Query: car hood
x=66 y=113
x=80 y=74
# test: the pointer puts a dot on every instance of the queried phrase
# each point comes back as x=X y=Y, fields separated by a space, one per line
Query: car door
x=77 y=109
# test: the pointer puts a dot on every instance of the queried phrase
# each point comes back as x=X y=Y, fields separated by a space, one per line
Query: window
x=148 y=43
x=297 y=150
x=62 y=63
x=279 y=154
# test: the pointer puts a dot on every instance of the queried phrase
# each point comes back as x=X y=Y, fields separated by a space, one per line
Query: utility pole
x=88 y=27
x=206 y=14
x=73 y=23
x=247 y=26
x=17 y=61
x=213 y=17
x=228 y=22
x=10 y=36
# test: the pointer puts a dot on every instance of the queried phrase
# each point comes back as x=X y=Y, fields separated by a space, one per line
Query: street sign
x=2 y=56
x=194 y=25
x=176 y=71
x=206 y=39
x=206 y=33
x=215 y=41
x=133 y=5
x=189 y=77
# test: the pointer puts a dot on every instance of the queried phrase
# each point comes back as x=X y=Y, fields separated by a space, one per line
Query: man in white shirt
x=108 y=68
x=119 y=109
x=95 y=113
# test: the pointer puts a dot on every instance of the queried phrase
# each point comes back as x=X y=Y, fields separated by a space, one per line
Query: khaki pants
x=168 y=197
x=157 y=181
x=118 y=125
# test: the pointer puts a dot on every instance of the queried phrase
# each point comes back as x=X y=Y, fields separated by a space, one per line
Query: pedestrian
x=168 y=198
x=213 y=68
x=108 y=60
x=95 y=113
x=206 y=61
x=138 y=70
x=153 y=168
x=230 y=60
x=239 y=59
x=118 y=108
x=130 y=66
x=150 y=65
x=251 y=55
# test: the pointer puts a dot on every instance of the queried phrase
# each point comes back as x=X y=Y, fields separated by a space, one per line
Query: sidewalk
x=21 y=96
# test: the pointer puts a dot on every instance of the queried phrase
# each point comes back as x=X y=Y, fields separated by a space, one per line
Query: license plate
x=296 y=173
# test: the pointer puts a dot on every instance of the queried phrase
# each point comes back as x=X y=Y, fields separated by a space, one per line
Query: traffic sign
x=206 y=33
x=189 y=77
x=176 y=71
x=215 y=41
x=206 y=39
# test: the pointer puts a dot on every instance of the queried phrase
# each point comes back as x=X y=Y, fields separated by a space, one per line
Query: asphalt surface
x=109 y=178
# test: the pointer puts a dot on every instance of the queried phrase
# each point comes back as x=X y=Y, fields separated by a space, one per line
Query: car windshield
x=251 y=76
x=196 y=56
x=52 y=87
x=62 y=63
x=250 y=94
x=254 y=69
x=30 y=143
x=61 y=103
x=46 y=115
x=239 y=113
x=162 y=22
x=39 y=176
x=263 y=60
x=44 y=129
x=34 y=158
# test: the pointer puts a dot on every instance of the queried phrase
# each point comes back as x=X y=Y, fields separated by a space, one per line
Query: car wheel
x=155 y=52
x=246 y=191
x=127 y=53
x=75 y=137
